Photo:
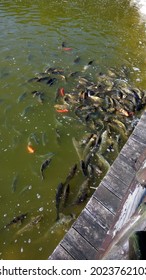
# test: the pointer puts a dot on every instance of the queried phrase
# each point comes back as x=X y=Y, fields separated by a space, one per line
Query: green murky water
x=31 y=33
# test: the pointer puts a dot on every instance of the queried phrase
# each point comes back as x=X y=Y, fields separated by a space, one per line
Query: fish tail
x=58 y=217
x=42 y=175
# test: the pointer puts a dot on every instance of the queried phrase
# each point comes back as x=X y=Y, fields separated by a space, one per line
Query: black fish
x=73 y=74
x=43 y=79
x=54 y=70
x=83 y=192
x=17 y=219
x=59 y=194
x=44 y=165
x=39 y=95
x=66 y=192
x=90 y=62
x=35 y=79
x=63 y=44
x=71 y=174
x=77 y=59
x=51 y=81
x=83 y=168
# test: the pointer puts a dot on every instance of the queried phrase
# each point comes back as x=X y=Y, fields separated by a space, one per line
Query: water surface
x=31 y=34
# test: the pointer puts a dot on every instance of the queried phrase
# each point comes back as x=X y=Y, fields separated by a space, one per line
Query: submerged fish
x=44 y=165
x=59 y=193
x=83 y=167
x=64 y=47
x=14 y=183
x=44 y=139
x=26 y=110
x=54 y=70
x=33 y=223
x=39 y=95
x=62 y=223
x=71 y=174
x=102 y=162
x=77 y=148
x=26 y=188
x=83 y=192
x=66 y=192
x=21 y=97
x=51 y=81
x=30 y=149
x=77 y=59
x=44 y=79
x=33 y=137
x=88 y=65
x=16 y=220
x=45 y=156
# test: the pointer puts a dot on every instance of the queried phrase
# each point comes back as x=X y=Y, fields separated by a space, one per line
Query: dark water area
x=110 y=34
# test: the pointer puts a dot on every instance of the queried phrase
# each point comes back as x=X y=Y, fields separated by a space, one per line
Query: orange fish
x=61 y=91
x=62 y=110
x=123 y=112
x=30 y=149
x=66 y=49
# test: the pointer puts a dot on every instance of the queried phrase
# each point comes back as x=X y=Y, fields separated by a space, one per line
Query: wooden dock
x=112 y=203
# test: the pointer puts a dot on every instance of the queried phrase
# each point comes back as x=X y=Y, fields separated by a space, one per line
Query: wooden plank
x=141 y=124
x=140 y=132
x=88 y=227
x=78 y=247
x=100 y=213
x=130 y=153
x=140 y=160
x=137 y=146
x=114 y=184
x=60 y=254
x=107 y=198
x=139 y=138
x=122 y=163
x=123 y=171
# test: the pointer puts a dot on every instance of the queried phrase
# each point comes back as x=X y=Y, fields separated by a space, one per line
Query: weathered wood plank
x=132 y=149
x=141 y=124
x=140 y=132
x=103 y=216
x=88 y=227
x=140 y=159
x=122 y=163
x=139 y=138
x=123 y=171
x=114 y=185
x=78 y=247
x=130 y=155
x=60 y=254
x=107 y=198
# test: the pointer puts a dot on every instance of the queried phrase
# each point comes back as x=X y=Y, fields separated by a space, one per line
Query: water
x=31 y=34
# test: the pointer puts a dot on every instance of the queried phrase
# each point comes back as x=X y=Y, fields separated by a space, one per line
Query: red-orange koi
x=66 y=49
x=123 y=112
x=61 y=91
x=30 y=149
x=62 y=110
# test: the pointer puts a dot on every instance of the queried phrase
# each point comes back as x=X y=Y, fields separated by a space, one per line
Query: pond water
x=32 y=33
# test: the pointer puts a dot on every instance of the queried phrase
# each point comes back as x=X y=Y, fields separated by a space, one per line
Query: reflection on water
x=32 y=130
